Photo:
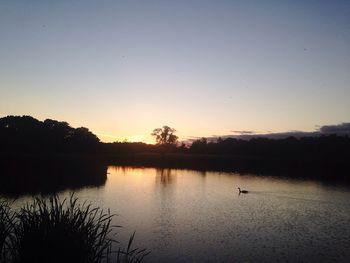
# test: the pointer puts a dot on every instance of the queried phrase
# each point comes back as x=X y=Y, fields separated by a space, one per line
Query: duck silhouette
x=242 y=191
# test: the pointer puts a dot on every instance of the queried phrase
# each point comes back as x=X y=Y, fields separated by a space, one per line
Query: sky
x=123 y=68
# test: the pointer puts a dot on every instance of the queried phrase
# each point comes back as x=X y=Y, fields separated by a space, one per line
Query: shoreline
x=315 y=167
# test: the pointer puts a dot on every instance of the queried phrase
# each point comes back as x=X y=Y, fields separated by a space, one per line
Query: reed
x=54 y=230
x=6 y=230
x=131 y=255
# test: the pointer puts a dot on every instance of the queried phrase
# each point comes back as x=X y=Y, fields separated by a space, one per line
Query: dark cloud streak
x=244 y=132
x=340 y=129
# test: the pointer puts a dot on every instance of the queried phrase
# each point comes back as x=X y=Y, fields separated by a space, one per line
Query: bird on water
x=242 y=191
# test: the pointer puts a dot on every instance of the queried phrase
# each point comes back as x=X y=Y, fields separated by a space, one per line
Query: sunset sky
x=123 y=68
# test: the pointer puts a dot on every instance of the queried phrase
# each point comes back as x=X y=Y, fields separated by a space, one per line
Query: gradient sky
x=122 y=68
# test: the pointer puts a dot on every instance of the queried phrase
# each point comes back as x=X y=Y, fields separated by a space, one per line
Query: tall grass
x=54 y=230
x=131 y=255
x=6 y=229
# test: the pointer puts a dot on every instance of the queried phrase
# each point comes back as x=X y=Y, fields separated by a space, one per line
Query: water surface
x=194 y=216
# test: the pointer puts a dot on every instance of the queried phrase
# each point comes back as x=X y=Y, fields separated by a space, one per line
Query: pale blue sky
x=206 y=68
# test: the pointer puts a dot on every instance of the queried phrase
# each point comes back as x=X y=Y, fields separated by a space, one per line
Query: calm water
x=192 y=216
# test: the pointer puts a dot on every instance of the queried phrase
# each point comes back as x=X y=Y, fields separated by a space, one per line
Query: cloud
x=244 y=132
x=341 y=129
x=276 y=135
x=191 y=139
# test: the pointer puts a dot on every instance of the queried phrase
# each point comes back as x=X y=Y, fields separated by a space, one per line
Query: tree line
x=35 y=154
x=27 y=134
x=330 y=147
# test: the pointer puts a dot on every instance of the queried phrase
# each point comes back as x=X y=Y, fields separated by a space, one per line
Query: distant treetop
x=165 y=135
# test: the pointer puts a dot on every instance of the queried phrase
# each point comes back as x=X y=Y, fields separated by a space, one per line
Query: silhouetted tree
x=165 y=135
x=199 y=146
x=27 y=134
x=83 y=135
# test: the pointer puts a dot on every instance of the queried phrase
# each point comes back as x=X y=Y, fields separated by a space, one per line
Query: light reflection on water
x=193 y=216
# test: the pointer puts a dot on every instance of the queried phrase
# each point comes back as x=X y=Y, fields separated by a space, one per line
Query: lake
x=197 y=216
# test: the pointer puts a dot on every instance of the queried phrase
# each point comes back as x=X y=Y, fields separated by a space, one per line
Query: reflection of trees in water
x=165 y=201
x=203 y=173
x=124 y=170
x=47 y=176
x=165 y=176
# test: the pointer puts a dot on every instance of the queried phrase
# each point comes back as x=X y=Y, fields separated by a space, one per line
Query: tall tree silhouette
x=165 y=135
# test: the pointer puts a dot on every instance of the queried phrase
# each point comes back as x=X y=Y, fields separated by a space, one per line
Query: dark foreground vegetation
x=46 y=156
x=54 y=230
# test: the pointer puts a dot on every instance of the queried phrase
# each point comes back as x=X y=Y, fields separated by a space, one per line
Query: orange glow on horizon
x=140 y=138
x=133 y=138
